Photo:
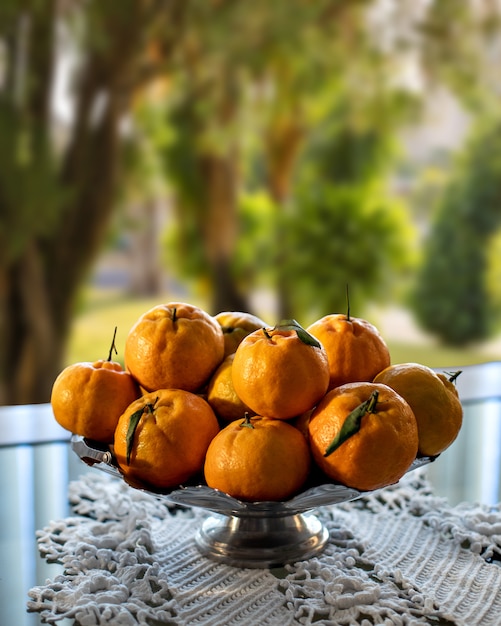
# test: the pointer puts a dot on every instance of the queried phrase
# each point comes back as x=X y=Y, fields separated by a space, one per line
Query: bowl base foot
x=261 y=541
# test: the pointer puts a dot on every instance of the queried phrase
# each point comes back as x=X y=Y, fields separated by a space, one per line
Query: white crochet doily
x=398 y=556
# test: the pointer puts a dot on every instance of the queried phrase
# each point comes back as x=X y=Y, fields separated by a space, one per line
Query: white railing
x=470 y=470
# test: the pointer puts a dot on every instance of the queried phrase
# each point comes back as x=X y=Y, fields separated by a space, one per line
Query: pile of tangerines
x=255 y=410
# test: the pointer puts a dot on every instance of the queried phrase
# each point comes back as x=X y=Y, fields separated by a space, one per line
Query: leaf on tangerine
x=352 y=423
x=303 y=334
x=133 y=423
x=131 y=430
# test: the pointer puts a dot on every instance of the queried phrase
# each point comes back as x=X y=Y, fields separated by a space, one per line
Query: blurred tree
x=57 y=183
x=285 y=70
x=217 y=62
x=304 y=86
x=493 y=279
x=349 y=124
x=452 y=297
x=204 y=171
x=346 y=235
x=141 y=211
x=288 y=60
x=461 y=50
x=343 y=226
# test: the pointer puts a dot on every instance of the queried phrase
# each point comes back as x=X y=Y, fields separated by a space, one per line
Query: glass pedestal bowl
x=246 y=534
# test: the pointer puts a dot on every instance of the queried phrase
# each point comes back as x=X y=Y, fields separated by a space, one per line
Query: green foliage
x=255 y=252
x=348 y=156
x=184 y=245
x=344 y=235
x=183 y=249
x=493 y=277
x=30 y=194
x=181 y=155
x=343 y=227
x=452 y=298
x=459 y=51
x=254 y=256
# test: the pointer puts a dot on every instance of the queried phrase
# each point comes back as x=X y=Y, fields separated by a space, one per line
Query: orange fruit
x=258 y=459
x=277 y=374
x=174 y=345
x=236 y=325
x=434 y=400
x=88 y=398
x=376 y=455
x=221 y=394
x=161 y=438
x=355 y=348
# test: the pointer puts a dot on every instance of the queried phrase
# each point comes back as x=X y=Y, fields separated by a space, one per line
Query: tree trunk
x=39 y=289
x=226 y=296
x=283 y=144
x=39 y=285
x=145 y=267
x=221 y=230
x=32 y=348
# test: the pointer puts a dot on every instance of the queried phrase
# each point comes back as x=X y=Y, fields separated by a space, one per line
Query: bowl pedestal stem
x=260 y=541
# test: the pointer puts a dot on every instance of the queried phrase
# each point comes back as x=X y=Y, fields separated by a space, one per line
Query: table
x=158 y=560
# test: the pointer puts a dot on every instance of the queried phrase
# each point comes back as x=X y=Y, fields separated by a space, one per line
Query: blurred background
x=247 y=156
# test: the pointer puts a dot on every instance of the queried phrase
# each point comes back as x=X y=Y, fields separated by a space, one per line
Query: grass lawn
x=103 y=310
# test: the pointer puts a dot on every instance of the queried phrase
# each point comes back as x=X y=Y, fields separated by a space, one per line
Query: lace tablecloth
x=397 y=556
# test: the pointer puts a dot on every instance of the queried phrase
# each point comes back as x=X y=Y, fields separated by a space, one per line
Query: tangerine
x=258 y=459
x=434 y=399
x=236 y=325
x=88 y=398
x=355 y=348
x=174 y=345
x=280 y=372
x=161 y=438
x=363 y=435
x=221 y=394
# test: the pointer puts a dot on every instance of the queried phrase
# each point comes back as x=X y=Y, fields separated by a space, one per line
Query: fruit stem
x=303 y=334
x=453 y=376
x=347 y=302
x=371 y=404
x=113 y=346
x=247 y=421
x=265 y=331
x=174 y=315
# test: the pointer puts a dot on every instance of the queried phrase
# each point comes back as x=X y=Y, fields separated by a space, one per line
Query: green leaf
x=303 y=334
x=351 y=424
x=133 y=424
x=131 y=430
